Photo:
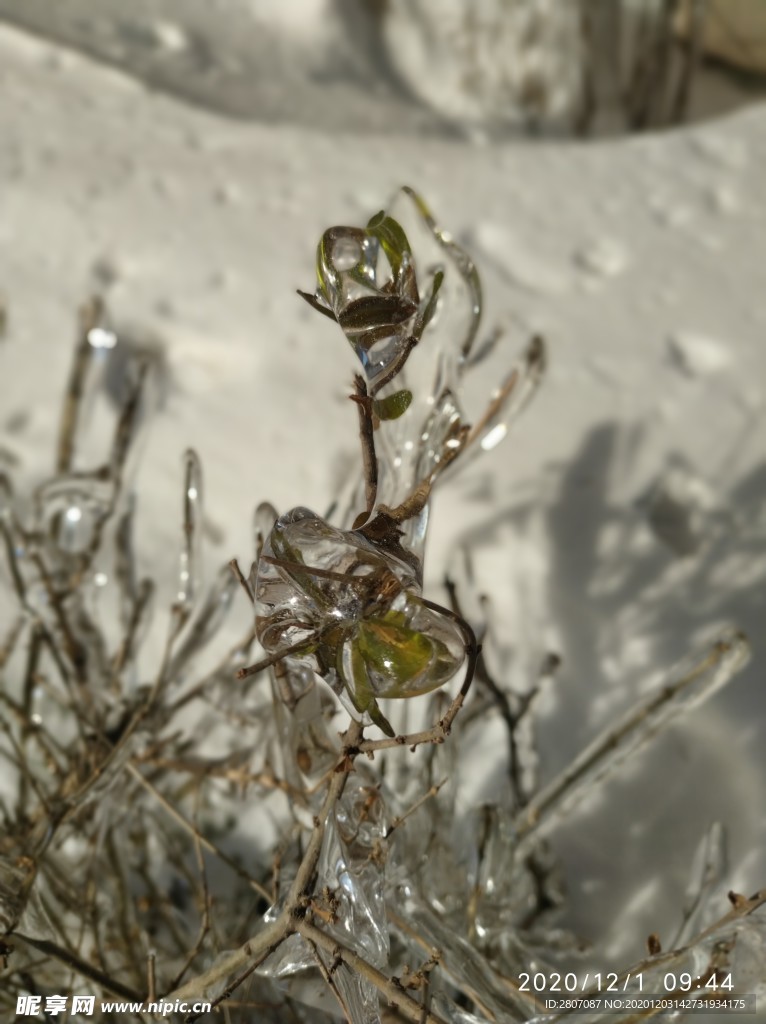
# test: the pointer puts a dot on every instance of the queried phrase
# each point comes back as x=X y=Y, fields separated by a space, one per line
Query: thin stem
x=240 y=576
x=176 y=815
x=81 y=966
x=90 y=316
x=367 y=438
x=272 y=659
x=693 y=681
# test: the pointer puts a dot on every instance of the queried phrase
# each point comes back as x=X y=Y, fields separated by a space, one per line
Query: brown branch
x=240 y=576
x=176 y=815
x=81 y=966
x=367 y=438
x=428 y=795
x=272 y=659
x=91 y=315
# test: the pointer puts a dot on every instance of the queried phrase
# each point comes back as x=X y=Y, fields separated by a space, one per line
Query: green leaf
x=392 y=407
x=372 y=311
x=391 y=236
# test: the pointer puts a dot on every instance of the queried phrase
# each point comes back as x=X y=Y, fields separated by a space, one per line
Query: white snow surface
x=206 y=226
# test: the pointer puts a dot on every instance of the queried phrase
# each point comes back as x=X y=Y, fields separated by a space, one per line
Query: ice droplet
x=100 y=337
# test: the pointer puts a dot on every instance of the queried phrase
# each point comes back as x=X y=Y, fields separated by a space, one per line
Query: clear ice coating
x=63 y=566
x=376 y=316
x=352 y=610
x=405 y=898
x=369 y=283
x=350 y=867
x=351 y=607
x=409 y=301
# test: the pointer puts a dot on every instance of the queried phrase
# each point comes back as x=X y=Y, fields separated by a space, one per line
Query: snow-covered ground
x=623 y=519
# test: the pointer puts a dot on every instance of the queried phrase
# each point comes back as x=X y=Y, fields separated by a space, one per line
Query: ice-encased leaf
x=352 y=611
x=396 y=246
x=392 y=407
x=372 y=307
x=312 y=575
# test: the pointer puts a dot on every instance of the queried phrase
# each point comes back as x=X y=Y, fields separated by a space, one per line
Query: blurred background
x=501 y=68
x=603 y=163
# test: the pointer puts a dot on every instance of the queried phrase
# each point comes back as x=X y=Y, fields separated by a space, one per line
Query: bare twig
x=367 y=438
x=91 y=315
x=240 y=576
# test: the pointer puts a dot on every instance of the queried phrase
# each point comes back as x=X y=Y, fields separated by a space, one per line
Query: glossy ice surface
x=355 y=612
